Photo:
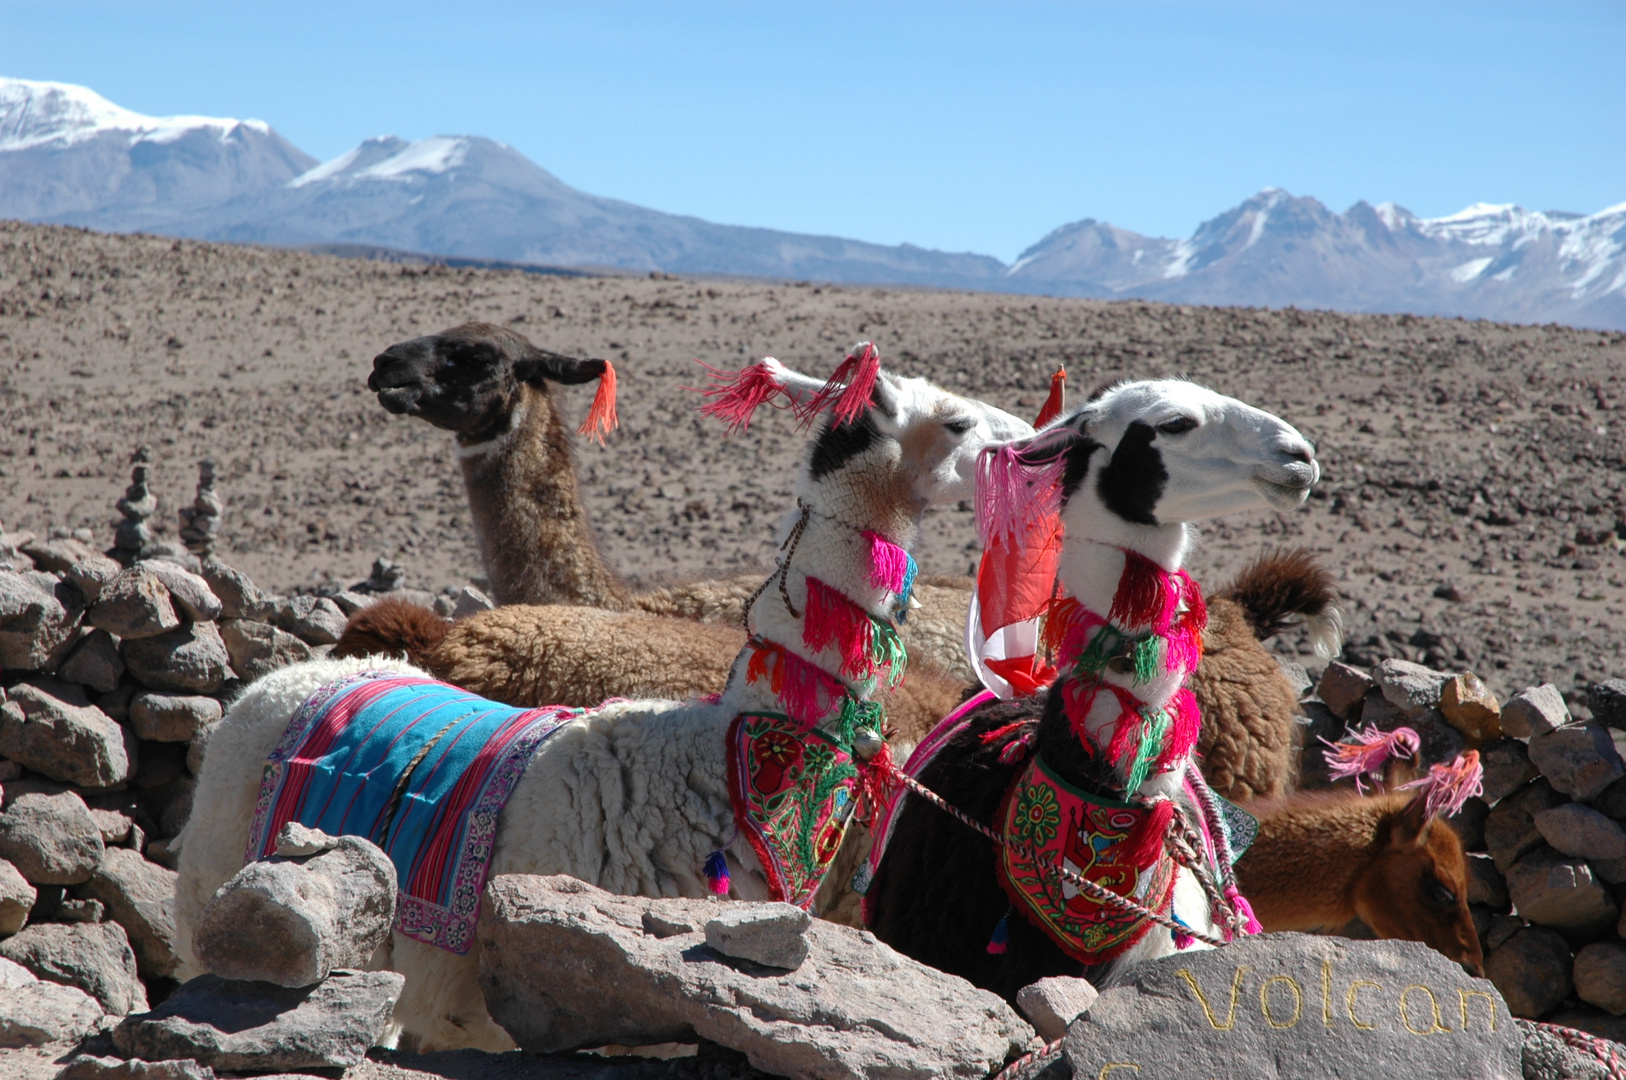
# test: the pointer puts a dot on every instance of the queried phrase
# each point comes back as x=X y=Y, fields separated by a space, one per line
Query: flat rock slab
x=566 y=965
x=262 y=1027
x=41 y=1012
x=1302 y=1007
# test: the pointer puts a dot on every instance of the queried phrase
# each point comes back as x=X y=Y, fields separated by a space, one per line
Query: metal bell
x=867 y=742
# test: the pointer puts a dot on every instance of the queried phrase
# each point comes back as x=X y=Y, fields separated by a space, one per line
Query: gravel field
x=1473 y=498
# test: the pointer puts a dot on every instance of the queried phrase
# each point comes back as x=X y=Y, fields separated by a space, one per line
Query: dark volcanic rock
x=1301 y=1006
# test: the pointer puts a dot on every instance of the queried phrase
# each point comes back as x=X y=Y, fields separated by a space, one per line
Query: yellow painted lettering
x=1264 y=1000
x=1349 y=1002
x=1326 y=992
x=1405 y=1019
x=1113 y=1066
x=1490 y=1004
x=1236 y=989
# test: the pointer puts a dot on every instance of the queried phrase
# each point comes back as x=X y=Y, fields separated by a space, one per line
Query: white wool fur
x=1236 y=458
x=633 y=797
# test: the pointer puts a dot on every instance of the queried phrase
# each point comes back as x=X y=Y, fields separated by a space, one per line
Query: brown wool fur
x=1324 y=858
x=1249 y=744
x=539 y=654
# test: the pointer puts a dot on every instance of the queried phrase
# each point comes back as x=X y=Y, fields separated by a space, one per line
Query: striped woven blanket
x=418 y=767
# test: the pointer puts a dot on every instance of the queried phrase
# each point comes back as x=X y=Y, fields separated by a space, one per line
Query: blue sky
x=952 y=125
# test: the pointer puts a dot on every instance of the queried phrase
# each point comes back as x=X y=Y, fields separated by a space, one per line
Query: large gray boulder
x=187 y=590
x=165 y=716
x=139 y=896
x=258 y=648
x=95 y=957
x=54 y=730
x=190 y=659
x=39 y=620
x=264 y=1028
x=1301 y=1006
x=17 y=898
x=566 y=965
x=134 y=605
x=50 y=839
x=95 y=663
x=1578 y=759
x=35 y=1012
x=1556 y=890
x=310 y=916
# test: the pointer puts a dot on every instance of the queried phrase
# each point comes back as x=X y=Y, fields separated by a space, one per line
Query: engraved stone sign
x=1298 y=1007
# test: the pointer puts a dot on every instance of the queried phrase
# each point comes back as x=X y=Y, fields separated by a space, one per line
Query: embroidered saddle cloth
x=418 y=767
x=793 y=790
x=1068 y=827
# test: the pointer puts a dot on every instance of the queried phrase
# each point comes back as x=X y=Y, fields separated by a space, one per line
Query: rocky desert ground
x=1473 y=500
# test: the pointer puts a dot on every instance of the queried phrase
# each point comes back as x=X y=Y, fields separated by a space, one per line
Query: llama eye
x=1438 y=893
x=961 y=426
x=1178 y=426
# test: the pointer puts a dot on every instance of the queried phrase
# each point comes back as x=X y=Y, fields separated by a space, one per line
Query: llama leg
x=441 y=1007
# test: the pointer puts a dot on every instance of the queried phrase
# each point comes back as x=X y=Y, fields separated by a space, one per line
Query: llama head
x=1416 y=889
x=1140 y=460
x=890 y=445
x=472 y=379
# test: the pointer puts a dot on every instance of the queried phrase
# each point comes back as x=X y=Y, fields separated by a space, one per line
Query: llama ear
x=1410 y=828
x=798 y=387
x=884 y=396
x=539 y=365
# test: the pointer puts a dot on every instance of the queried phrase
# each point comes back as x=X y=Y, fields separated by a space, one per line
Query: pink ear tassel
x=1447 y=787
x=735 y=395
x=888 y=563
x=1013 y=496
x=849 y=387
x=1370 y=752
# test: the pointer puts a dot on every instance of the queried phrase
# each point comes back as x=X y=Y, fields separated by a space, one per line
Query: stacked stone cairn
x=115 y=667
x=1546 y=840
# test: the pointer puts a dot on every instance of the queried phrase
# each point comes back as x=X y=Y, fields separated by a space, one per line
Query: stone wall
x=1546 y=840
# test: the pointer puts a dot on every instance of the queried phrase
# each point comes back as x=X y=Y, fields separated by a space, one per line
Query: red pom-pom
x=849 y=387
x=1144 y=844
x=1056 y=402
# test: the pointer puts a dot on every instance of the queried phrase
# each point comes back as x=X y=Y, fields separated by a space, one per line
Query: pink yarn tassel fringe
x=849 y=387
x=888 y=563
x=1369 y=753
x=1447 y=787
x=1244 y=909
x=832 y=618
x=1014 y=496
x=735 y=395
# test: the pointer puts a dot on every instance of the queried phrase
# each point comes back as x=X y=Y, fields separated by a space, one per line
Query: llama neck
x=1110 y=717
x=1312 y=850
x=837 y=620
x=534 y=535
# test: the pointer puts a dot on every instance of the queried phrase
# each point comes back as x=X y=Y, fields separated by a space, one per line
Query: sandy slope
x=1457 y=454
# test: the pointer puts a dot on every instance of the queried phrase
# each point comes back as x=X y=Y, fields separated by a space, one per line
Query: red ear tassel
x=849 y=387
x=1056 y=402
x=601 y=417
x=736 y=394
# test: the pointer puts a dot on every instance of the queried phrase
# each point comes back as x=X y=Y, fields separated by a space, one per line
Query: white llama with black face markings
x=635 y=796
x=1124 y=476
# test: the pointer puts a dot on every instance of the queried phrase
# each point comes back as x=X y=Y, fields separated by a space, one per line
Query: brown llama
x=1324 y=858
x=489 y=386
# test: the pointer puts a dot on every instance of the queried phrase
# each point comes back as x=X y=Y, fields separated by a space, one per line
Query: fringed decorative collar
x=798 y=779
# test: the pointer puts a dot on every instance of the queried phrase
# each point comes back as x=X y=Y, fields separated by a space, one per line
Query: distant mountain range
x=69 y=156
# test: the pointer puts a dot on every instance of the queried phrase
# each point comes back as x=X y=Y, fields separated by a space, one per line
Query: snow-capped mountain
x=476 y=198
x=1499 y=262
x=68 y=154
